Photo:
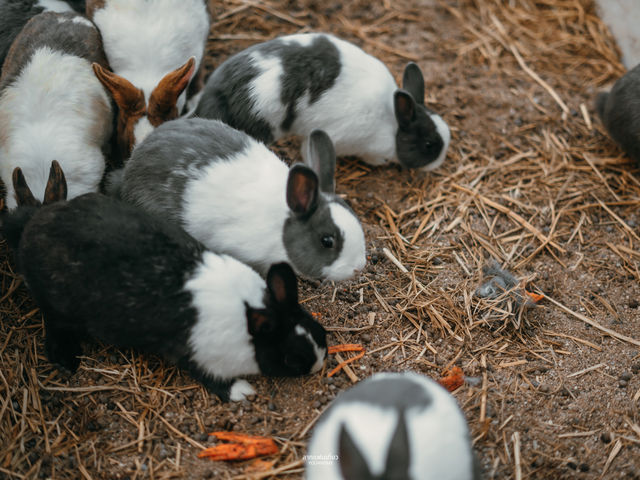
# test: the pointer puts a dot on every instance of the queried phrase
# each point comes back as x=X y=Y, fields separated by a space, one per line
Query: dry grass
x=530 y=181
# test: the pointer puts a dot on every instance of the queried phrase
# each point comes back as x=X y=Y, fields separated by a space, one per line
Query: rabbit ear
x=56 y=189
x=405 y=108
x=23 y=194
x=128 y=98
x=163 y=99
x=259 y=322
x=322 y=159
x=399 y=454
x=302 y=190
x=413 y=82
x=283 y=284
x=352 y=463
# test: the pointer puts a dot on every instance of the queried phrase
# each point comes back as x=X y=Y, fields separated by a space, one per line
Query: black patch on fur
x=419 y=143
x=46 y=30
x=310 y=257
x=620 y=112
x=309 y=69
x=226 y=97
x=312 y=69
x=103 y=269
x=171 y=156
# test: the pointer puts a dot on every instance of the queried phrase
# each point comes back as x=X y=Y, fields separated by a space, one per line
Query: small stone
x=374 y=258
x=365 y=337
x=544 y=388
x=626 y=376
x=316 y=404
x=272 y=406
x=203 y=437
x=622 y=384
x=583 y=467
x=436 y=261
x=605 y=437
x=633 y=303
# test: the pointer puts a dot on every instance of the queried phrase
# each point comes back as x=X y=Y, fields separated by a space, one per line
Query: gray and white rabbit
x=619 y=111
x=52 y=107
x=237 y=197
x=102 y=269
x=298 y=83
x=14 y=14
x=397 y=426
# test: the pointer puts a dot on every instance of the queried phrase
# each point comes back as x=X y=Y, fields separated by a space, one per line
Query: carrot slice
x=452 y=379
x=246 y=447
x=347 y=347
x=536 y=297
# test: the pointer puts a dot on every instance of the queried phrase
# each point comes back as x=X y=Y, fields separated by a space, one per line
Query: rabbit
x=619 y=111
x=155 y=48
x=14 y=14
x=237 y=197
x=100 y=268
x=53 y=107
x=297 y=83
x=392 y=426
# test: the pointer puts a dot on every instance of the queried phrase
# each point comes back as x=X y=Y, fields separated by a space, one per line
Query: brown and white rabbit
x=53 y=107
x=154 y=48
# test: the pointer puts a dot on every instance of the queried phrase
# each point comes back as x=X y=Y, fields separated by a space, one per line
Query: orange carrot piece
x=246 y=447
x=346 y=347
x=453 y=379
x=536 y=297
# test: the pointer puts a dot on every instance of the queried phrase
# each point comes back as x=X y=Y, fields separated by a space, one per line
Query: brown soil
x=530 y=180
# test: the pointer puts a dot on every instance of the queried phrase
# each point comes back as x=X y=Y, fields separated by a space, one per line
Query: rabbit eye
x=328 y=241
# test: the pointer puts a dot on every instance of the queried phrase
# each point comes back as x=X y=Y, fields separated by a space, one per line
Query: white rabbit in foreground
x=392 y=426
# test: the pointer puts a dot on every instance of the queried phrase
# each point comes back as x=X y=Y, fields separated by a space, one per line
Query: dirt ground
x=553 y=392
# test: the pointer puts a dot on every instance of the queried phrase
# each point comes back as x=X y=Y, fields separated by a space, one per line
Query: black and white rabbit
x=53 y=107
x=14 y=14
x=237 y=197
x=619 y=111
x=100 y=268
x=298 y=83
x=392 y=426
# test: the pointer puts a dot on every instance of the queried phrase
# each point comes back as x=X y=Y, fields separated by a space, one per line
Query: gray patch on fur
x=45 y=30
x=171 y=156
x=226 y=97
x=306 y=251
x=309 y=69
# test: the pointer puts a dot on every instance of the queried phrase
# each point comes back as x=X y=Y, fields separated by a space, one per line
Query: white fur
x=251 y=184
x=146 y=39
x=77 y=19
x=141 y=129
x=49 y=113
x=357 y=112
x=54 y=5
x=240 y=390
x=320 y=353
x=438 y=436
x=352 y=257
x=220 y=341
